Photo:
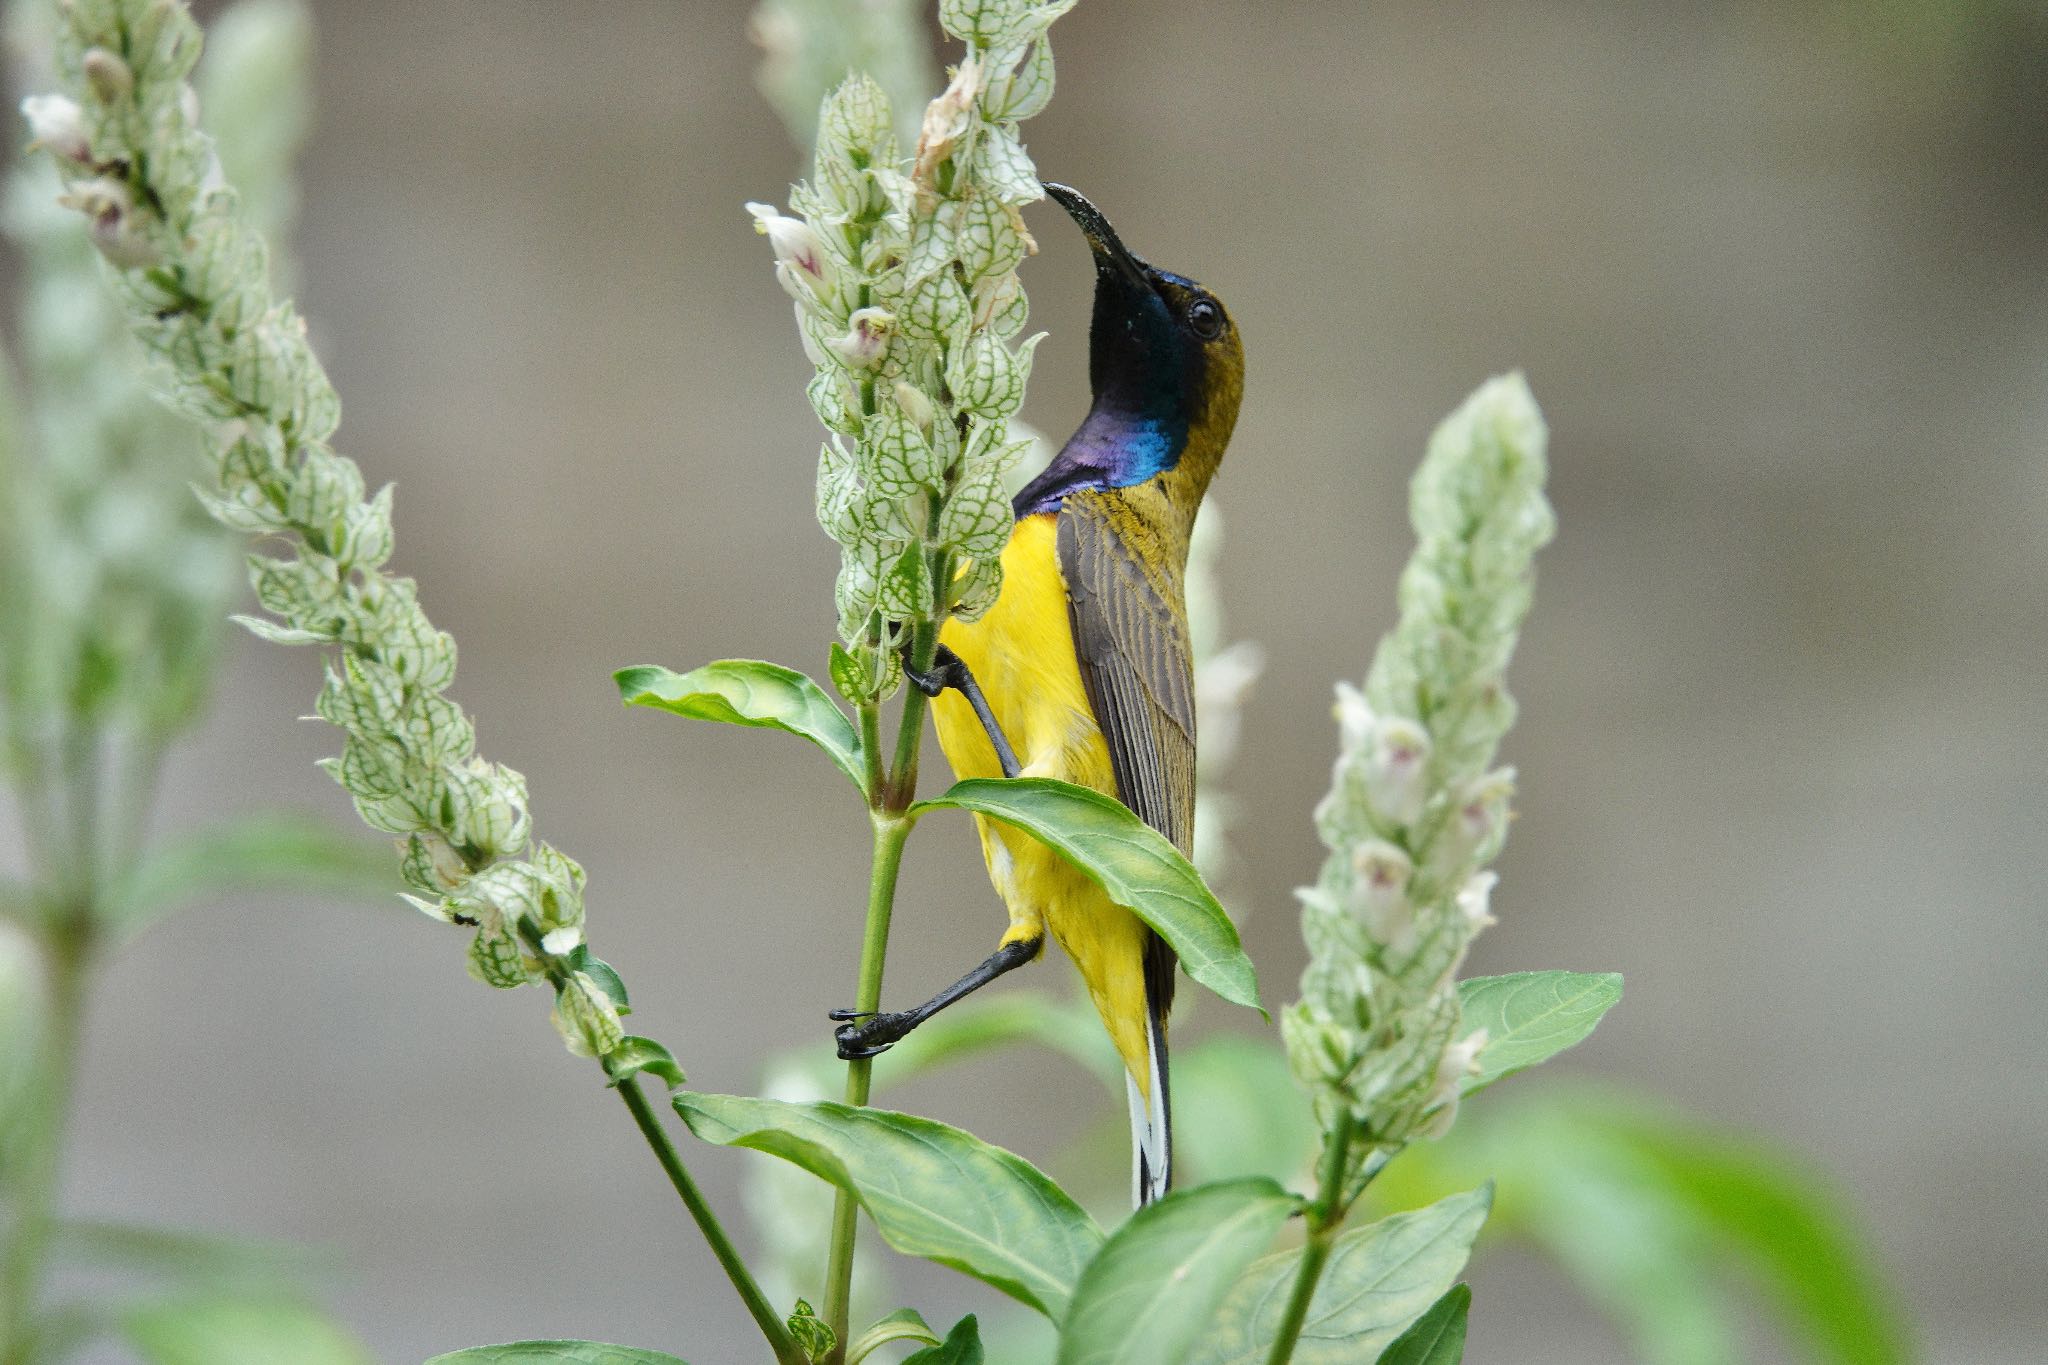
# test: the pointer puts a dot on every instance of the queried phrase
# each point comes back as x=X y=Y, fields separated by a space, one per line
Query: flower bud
x=430 y=863
x=1478 y=823
x=586 y=1018
x=111 y=78
x=915 y=406
x=57 y=125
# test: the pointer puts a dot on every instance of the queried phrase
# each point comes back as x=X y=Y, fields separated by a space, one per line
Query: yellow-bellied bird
x=1083 y=664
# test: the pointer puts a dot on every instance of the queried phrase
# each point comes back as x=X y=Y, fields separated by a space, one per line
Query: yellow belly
x=1022 y=654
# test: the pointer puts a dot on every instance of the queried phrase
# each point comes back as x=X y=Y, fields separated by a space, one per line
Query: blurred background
x=1776 y=274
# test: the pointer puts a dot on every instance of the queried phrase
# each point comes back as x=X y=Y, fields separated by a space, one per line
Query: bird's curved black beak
x=1110 y=251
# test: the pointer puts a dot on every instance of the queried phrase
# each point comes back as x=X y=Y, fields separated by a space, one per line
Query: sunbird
x=1083 y=670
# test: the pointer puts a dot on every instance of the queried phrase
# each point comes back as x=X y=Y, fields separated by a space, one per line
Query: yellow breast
x=1022 y=654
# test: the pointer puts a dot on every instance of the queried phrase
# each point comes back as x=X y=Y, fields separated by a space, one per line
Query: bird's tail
x=1152 y=1115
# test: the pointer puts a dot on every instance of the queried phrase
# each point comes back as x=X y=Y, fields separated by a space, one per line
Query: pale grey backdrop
x=1775 y=273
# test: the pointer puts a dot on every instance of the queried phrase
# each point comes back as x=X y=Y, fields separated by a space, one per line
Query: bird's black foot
x=947 y=671
x=877 y=1035
x=841 y=1016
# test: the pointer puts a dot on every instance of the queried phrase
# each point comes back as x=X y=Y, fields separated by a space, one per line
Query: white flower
x=946 y=119
x=1460 y=1059
x=1395 y=763
x=112 y=222
x=866 y=340
x=562 y=940
x=1474 y=901
x=1380 y=894
x=800 y=261
x=57 y=124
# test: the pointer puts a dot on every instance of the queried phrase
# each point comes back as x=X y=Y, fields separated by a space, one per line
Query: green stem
x=871 y=751
x=787 y=1352
x=891 y=830
x=902 y=787
x=68 y=945
x=1325 y=1217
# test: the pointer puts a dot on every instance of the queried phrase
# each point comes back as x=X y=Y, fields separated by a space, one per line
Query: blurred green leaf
x=1437 y=1337
x=1784 y=1223
x=1130 y=860
x=1239 y=1111
x=634 y=1055
x=182 y=1255
x=962 y=1346
x=274 y=852
x=905 y=1324
x=1651 y=1213
x=549 y=1353
x=1530 y=1017
x=232 y=1331
x=1380 y=1278
x=19 y=904
x=985 y=1022
x=1155 y=1285
x=933 y=1191
x=749 y=692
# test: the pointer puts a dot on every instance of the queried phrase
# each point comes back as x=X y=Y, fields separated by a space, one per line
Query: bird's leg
x=950 y=670
x=863 y=1035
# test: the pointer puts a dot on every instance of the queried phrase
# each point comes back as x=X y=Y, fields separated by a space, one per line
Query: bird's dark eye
x=1205 y=319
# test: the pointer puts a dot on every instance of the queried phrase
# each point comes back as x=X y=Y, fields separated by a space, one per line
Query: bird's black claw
x=870 y=1038
x=841 y=1016
x=947 y=671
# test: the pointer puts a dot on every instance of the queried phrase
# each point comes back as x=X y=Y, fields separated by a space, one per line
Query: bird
x=1083 y=670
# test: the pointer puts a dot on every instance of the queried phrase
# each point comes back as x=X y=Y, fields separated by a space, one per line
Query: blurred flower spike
x=193 y=277
x=903 y=270
x=1415 y=809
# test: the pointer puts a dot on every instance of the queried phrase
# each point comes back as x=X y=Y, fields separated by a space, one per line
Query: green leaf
x=554 y=1353
x=634 y=1055
x=905 y=1324
x=1129 y=859
x=1238 y=1112
x=962 y=1346
x=933 y=1191
x=1153 y=1288
x=1379 y=1279
x=849 y=675
x=1530 y=1017
x=603 y=974
x=1437 y=1337
x=228 y=1331
x=813 y=1335
x=275 y=852
x=749 y=692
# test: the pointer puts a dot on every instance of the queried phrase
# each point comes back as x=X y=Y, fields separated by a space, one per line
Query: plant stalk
x=787 y=1352
x=891 y=830
x=1325 y=1219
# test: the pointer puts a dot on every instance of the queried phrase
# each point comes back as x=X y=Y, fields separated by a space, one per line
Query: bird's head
x=1162 y=350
